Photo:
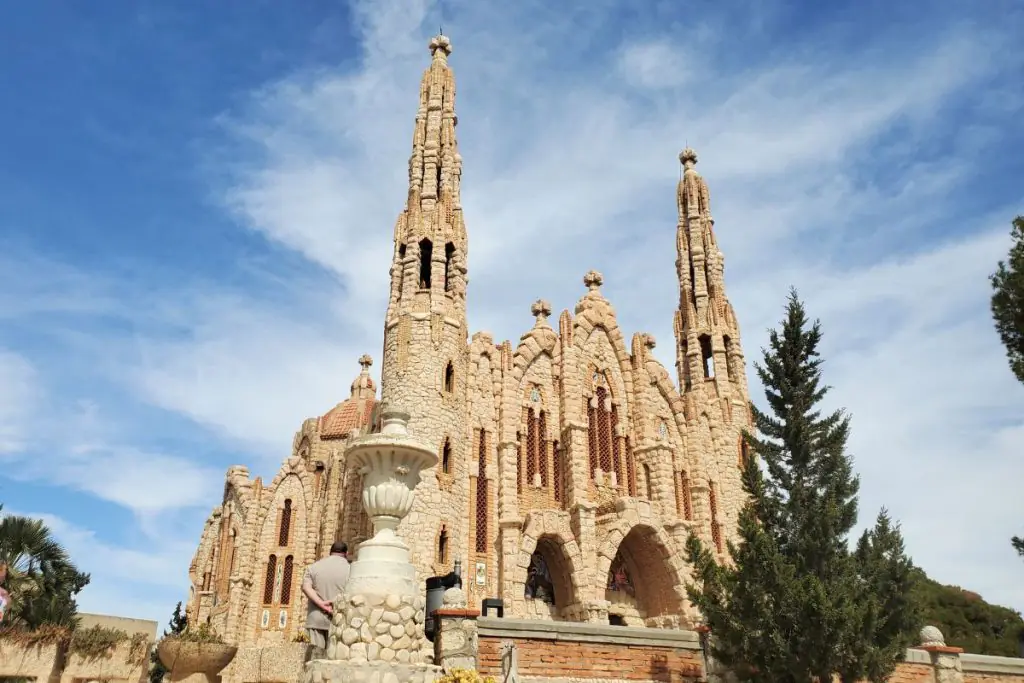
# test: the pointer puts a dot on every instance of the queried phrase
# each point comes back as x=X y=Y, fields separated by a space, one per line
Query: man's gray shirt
x=329 y=577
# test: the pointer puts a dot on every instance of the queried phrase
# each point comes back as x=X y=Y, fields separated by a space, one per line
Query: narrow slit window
x=442 y=546
x=648 y=488
x=446 y=457
x=268 y=581
x=449 y=377
x=716 y=531
x=730 y=371
x=286 y=584
x=449 y=256
x=707 y=358
x=286 y=523
x=481 y=496
x=426 y=253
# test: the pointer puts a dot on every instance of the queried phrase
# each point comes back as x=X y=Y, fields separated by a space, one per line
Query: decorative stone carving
x=932 y=637
x=509 y=662
x=593 y=280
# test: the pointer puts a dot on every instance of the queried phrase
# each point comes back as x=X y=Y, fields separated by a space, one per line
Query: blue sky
x=197 y=202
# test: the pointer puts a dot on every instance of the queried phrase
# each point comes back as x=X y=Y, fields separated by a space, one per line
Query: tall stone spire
x=707 y=334
x=426 y=346
x=430 y=235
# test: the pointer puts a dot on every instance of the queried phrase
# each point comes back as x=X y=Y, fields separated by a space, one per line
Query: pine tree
x=1008 y=300
x=796 y=603
x=1008 y=312
x=176 y=626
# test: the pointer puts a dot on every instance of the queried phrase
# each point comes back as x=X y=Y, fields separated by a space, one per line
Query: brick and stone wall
x=554 y=651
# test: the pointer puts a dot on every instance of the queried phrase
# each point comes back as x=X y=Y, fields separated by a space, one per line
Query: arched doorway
x=548 y=585
x=641 y=583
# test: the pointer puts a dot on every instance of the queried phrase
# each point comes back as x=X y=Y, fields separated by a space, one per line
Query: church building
x=571 y=467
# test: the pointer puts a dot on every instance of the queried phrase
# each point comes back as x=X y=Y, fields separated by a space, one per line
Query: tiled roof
x=354 y=413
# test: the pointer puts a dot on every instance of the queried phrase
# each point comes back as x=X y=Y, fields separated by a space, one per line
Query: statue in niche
x=618 y=577
x=538 y=580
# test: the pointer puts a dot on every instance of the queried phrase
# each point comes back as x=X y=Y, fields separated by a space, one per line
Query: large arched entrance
x=642 y=586
x=548 y=586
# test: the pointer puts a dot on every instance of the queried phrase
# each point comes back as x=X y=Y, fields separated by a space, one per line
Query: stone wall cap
x=941 y=649
x=535 y=629
x=992 y=664
x=456 y=612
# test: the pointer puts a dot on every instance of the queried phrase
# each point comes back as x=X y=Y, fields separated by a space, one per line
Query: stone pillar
x=455 y=645
x=376 y=632
x=945 y=659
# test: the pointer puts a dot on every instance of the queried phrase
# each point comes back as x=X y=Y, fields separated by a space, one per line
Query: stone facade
x=571 y=467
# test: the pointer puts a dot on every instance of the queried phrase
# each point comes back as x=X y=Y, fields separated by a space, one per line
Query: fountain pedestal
x=376 y=633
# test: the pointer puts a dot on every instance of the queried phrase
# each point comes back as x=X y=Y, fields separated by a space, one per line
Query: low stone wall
x=44 y=663
x=988 y=669
x=121 y=664
x=35 y=662
x=276 y=664
x=560 y=650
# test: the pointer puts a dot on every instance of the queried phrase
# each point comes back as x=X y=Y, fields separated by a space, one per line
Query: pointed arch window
x=449 y=257
x=608 y=450
x=268 y=581
x=426 y=253
x=481 y=495
x=286 y=580
x=286 y=523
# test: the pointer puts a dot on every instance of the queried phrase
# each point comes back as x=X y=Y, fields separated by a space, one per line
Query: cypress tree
x=796 y=603
x=176 y=626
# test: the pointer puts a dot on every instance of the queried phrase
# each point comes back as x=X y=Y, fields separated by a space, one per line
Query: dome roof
x=355 y=412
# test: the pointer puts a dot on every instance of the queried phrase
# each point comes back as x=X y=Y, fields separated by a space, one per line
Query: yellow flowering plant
x=465 y=676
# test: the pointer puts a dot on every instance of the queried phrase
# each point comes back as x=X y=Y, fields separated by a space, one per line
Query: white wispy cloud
x=823 y=171
x=18 y=378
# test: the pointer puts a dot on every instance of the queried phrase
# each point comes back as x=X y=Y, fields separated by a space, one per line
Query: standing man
x=325 y=579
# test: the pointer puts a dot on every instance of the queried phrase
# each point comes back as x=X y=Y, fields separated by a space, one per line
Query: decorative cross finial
x=688 y=157
x=593 y=280
x=541 y=310
x=365 y=361
x=441 y=43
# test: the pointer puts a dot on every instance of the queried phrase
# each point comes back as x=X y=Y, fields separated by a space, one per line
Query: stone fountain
x=376 y=633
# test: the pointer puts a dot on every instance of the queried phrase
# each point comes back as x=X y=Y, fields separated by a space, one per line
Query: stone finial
x=540 y=310
x=593 y=280
x=932 y=637
x=365 y=362
x=454 y=597
x=688 y=157
x=649 y=340
x=440 y=43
